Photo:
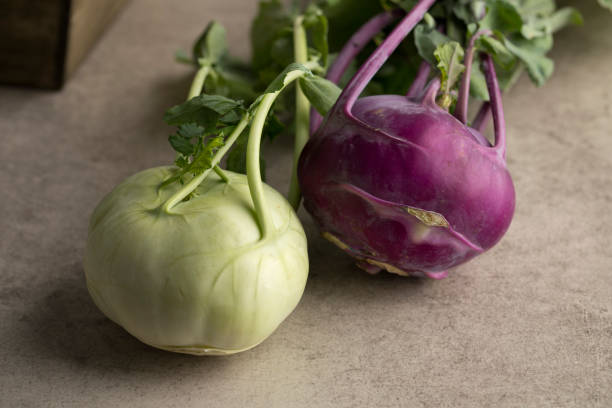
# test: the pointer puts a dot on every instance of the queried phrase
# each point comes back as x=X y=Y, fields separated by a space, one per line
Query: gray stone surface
x=528 y=324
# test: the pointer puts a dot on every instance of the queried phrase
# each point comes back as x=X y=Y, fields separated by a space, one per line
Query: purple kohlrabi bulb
x=401 y=184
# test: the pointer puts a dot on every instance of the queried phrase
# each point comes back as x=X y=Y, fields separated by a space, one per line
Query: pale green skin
x=195 y=279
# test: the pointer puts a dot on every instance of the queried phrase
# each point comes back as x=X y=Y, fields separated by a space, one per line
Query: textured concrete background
x=528 y=324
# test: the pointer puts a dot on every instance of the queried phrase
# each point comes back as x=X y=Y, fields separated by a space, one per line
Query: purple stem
x=361 y=79
x=499 y=123
x=419 y=81
x=429 y=96
x=350 y=50
x=482 y=117
x=461 y=109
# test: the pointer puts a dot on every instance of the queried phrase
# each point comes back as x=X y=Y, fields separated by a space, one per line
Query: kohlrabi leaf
x=273 y=127
x=181 y=145
x=316 y=25
x=403 y=4
x=321 y=93
x=561 y=18
x=530 y=8
x=427 y=40
x=502 y=15
x=278 y=82
x=455 y=30
x=267 y=26
x=233 y=83
x=449 y=57
x=606 y=3
x=181 y=141
x=497 y=50
x=236 y=159
x=478 y=83
x=203 y=160
x=203 y=110
x=539 y=67
x=468 y=12
x=211 y=44
x=190 y=131
x=282 y=51
x=182 y=57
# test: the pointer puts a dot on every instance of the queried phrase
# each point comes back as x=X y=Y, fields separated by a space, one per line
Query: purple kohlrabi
x=401 y=184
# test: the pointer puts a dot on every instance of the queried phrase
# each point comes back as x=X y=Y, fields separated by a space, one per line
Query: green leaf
x=211 y=44
x=497 y=50
x=606 y=3
x=181 y=141
x=449 y=57
x=539 y=67
x=406 y=5
x=181 y=161
x=427 y=40
x=503 y=16
x=529 y=8
x=181 y=144
x=268 y=25
x=182 y=57
x=507 y=79
x=232 y=117
x=282 y=51
x=321 y=93
x=190 y=131
x=317 y=26
x=234 y=83
x=203 y=110
x=273 y=127
x=236 y=159
x=478 y=83
x=560 y=19
x=279 y=82
x=203 y=160
x=455 y=31
x=464 y=13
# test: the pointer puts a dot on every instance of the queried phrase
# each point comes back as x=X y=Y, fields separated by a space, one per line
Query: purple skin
x=353 y=47
x=402 y=185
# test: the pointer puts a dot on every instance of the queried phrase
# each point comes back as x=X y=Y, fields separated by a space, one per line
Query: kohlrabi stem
x=195 y=182
x=480 y=120
x=499 y=122
x=419 y=81
x=461 y=108
x=429 y=95
x=198 y=81
x=197 y=85
x=358 y=41
x=376 y=60
x=221 y=174
x=302 y=111
x=350 y=50
x=252 y=156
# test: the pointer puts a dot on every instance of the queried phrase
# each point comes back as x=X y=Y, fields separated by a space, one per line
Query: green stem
x=253 y=146
x=198 y=82
x=221 y=174
x=302 y=111
x=196 y=89
x=195 y=182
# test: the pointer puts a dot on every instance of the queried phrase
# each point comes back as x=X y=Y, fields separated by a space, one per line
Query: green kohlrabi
x=195 y=259
x=198 y=278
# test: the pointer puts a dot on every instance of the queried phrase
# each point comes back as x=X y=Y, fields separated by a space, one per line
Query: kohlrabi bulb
x=197 y=278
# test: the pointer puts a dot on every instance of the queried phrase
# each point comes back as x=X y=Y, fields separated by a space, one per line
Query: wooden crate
x=43 y=41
